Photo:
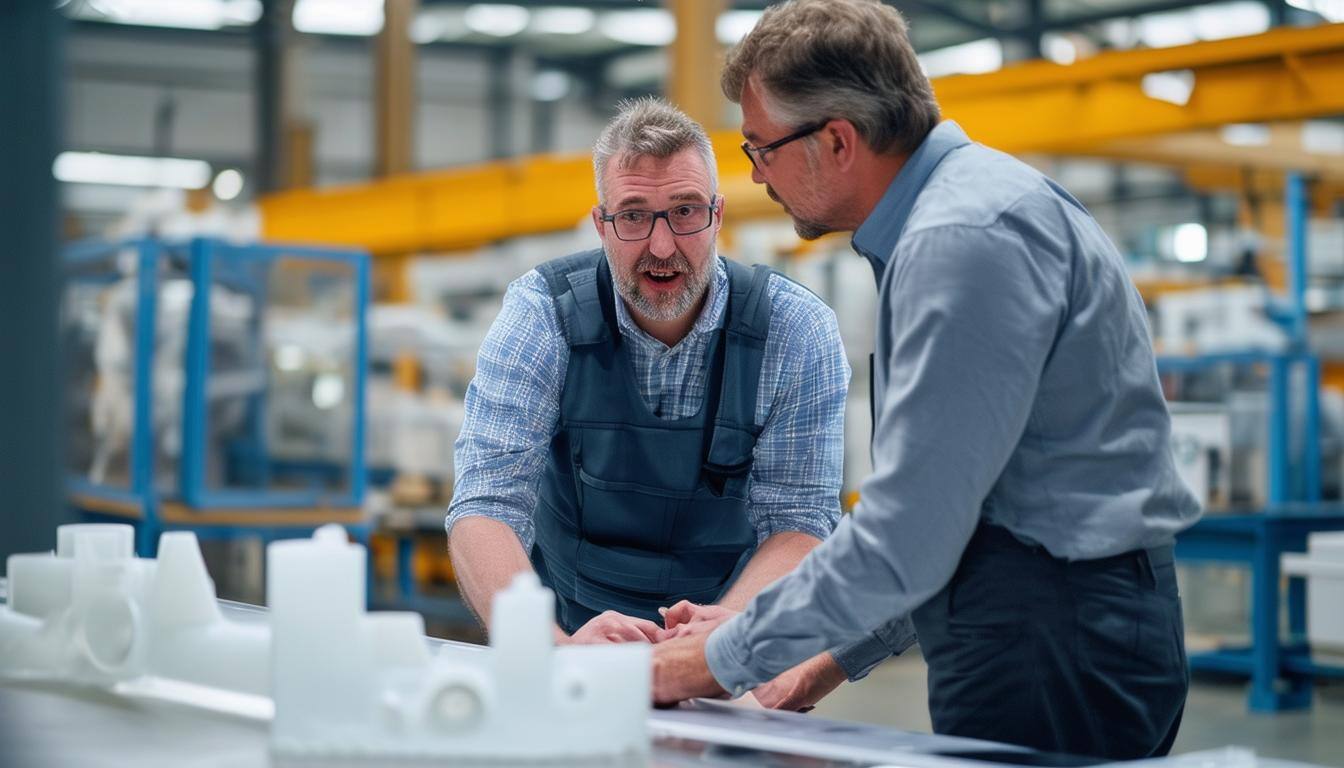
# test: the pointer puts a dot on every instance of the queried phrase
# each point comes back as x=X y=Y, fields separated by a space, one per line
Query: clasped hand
x=679 y=667
x=685 y=619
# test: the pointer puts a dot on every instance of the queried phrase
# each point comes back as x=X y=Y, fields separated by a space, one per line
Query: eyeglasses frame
x=712 y=205
x=753 y=153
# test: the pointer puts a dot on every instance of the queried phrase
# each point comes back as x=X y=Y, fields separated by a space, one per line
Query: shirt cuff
x=726 y=656
x=859 y=658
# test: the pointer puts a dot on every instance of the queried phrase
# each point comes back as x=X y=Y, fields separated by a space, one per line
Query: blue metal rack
x=155 y=504
x=1280 y=673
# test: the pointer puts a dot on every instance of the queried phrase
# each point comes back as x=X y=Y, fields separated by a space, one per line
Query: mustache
x=770 y=191
x=676 y=262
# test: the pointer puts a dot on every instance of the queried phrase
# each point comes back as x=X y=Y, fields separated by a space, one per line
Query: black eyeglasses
x=632 y=224
x=753 y=153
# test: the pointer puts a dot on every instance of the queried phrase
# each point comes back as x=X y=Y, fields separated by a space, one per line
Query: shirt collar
x=711 y=314
x=876 y=238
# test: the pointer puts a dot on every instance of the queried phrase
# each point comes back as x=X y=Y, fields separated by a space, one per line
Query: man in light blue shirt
x=1023 y=501
x=649 y=423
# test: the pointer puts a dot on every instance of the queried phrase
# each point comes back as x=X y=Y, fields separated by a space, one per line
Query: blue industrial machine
x=216 y=387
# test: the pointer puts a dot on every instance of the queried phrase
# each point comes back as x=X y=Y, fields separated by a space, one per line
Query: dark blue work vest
x=634 y=511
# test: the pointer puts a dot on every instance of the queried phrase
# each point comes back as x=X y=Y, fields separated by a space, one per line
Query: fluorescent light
x=973 y=58
x=1173 y=86
x=1163 y=30
x=434 y=24
x=643 y=27
x=497 y=20
x=1190 y=243
x=563 y=21
x=1323 y=138
x=180 y=14
x=1246 y=134
x=734 y=25
x=228 y=184
x=131 y=171
x=1058 y=48
x=242 y=12
x=1217 y=22
x=339 y=17
x=550 y=85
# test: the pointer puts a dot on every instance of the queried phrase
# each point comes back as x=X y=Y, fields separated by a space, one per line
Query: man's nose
x=756 y=174
x=662 y=243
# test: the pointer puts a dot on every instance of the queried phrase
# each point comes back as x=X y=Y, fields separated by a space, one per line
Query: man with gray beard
x=653 y=427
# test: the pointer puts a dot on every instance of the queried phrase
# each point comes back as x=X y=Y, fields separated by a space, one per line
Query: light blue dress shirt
x=1014 y=382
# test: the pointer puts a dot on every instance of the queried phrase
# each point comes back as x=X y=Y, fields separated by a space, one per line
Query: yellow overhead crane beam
x=1284 y=74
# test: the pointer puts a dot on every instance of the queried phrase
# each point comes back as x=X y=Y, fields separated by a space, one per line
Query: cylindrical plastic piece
x=97 y=541
x=39 y=584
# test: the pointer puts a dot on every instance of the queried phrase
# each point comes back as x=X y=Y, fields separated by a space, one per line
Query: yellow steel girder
x=1031 y=107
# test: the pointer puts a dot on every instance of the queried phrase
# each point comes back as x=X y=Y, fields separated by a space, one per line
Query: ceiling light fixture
x=652 y=27
x=497 y=20
x=339 y=17
x=131 y=171
x=563 y=21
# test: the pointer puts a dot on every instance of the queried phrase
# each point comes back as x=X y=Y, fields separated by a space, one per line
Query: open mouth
x=662 y=276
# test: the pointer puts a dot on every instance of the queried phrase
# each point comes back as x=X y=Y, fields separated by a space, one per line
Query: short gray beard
x=697 y=284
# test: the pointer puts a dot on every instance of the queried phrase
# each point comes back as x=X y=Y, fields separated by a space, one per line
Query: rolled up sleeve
x=798 y=462
x=512 y=406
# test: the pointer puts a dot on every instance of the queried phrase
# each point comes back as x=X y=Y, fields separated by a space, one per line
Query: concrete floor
x=1215 y=714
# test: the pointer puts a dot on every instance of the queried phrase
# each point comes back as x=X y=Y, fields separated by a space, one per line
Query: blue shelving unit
x=1280 y=672
x=246 y=503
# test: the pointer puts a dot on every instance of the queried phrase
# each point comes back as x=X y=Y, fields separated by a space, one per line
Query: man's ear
x=841 y=142
x=597 y=221
x=718 y=221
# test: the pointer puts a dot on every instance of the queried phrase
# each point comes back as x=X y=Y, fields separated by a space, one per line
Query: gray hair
x=649 y=127
x=849 y=59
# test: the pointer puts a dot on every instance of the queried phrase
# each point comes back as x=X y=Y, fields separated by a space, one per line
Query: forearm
x=775 y=557
x=486 y=555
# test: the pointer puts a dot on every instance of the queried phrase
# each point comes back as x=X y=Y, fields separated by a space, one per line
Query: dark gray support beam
x=543 y=126
x=271 y=36
x=500 y=96
x=1278 y=12
x=31 y=427
x=1031 y=35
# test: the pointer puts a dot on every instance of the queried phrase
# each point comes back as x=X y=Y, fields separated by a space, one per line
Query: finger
x=681 y=613
x=647 y=629
x=626 y=633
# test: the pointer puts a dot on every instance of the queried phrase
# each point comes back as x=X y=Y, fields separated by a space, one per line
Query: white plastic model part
x=343 y=682
x=356 y=684
x=93 y=614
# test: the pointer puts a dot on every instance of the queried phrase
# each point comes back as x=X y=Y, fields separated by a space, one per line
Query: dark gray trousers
x=1086 y=657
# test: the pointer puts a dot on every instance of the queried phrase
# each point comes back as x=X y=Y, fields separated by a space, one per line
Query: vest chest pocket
x=628 y=514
